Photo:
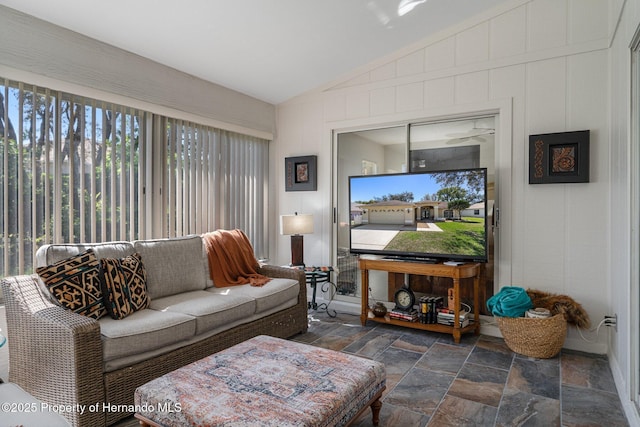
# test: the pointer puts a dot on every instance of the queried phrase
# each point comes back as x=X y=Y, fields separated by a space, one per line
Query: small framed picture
x=558 y=158
x=300 y=173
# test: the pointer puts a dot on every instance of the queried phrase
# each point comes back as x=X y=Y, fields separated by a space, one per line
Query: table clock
x=404 y=298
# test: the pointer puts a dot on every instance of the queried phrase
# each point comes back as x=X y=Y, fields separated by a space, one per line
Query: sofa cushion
x=142 y=331
x=210 y=310
x=271 y=295
x=173 y=265
x=125 y=285
x=76 y=284
x=49 y=254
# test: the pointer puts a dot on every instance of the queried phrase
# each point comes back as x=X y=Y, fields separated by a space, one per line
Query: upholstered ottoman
x=264 y=381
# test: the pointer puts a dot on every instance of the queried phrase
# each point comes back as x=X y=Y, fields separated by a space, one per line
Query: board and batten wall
x=40 y=53
x=543 y=66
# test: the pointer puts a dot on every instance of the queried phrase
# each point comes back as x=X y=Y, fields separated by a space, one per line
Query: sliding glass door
x=366 y=152
x=408 y=147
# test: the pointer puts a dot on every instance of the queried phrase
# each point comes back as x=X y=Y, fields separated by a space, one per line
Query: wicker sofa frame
x=56 y=355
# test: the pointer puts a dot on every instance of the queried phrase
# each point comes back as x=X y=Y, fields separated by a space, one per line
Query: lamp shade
x=296 y=224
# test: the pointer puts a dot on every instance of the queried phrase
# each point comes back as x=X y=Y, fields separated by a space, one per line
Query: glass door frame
x=634 y=338
x=502 y=109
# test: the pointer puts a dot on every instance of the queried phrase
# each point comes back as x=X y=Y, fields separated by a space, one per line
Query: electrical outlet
x=612 y=321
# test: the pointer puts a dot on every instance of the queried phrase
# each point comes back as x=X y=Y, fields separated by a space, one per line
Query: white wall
x=544 y=66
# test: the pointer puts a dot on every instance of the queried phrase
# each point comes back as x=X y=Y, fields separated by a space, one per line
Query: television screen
x=429 y=216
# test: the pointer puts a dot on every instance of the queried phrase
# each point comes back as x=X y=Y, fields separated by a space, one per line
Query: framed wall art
x=558 y=158
x=300 y=173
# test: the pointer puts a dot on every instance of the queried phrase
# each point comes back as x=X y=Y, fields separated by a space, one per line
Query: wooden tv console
x=455 y=272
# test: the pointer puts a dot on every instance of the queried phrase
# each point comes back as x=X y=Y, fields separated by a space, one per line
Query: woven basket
x=534 y=337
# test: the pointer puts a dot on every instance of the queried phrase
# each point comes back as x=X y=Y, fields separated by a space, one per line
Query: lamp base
x=297 y=250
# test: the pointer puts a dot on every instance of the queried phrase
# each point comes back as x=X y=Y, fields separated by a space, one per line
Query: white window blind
x=74 y=169
x=69 y=170
x=215 y=179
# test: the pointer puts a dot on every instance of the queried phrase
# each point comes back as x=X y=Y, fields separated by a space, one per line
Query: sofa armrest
x=287 y=273
x=54 y=354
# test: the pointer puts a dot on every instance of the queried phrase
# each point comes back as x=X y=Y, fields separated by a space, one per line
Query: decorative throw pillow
x=76 y=284
x=125 y=282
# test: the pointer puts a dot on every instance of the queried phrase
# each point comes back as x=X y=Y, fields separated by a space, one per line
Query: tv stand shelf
x=455 y=272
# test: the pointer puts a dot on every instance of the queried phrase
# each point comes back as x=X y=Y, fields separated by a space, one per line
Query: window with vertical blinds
x=215 y=179
x=74 y=169
x=69 y=170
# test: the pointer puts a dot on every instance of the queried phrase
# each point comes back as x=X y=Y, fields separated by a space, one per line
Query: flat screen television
x=428 y=216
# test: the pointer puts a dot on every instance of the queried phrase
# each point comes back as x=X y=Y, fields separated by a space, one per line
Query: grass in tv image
x=435 y=214
x=465 y=237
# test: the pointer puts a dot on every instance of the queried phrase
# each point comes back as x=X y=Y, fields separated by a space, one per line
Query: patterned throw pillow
x=76 y=284
x=125 y=285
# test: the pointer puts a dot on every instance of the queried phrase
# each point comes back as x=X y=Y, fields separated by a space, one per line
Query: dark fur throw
x=572 y=311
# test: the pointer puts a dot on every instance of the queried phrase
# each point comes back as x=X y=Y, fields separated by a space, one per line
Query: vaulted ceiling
x=272 y=50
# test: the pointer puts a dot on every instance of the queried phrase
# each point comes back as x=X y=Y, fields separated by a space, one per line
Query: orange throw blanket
x=231 y=259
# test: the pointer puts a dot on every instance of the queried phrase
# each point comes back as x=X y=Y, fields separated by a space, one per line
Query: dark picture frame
x=559 y=158
x=300 y=173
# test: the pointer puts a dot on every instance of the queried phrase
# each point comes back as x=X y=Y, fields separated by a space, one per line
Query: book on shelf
x=450 y=322
x=428 y=308
x=450 y=314
x=449 y=319
x=410 y=316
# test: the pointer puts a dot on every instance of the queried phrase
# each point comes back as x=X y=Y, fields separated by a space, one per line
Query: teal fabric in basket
x=511 y=301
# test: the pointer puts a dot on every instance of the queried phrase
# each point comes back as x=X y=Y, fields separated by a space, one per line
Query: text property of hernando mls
x=24 y=407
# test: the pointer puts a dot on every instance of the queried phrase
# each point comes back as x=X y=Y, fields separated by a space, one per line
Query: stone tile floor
x=431 y=381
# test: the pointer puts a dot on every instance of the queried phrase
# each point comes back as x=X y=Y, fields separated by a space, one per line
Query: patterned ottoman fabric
x=264 y=381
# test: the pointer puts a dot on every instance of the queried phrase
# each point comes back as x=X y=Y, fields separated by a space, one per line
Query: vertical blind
x=69 y=172
x=74 y=169
x=215 y=179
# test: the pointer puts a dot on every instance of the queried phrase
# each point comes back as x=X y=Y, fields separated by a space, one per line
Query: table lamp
x=296 y=225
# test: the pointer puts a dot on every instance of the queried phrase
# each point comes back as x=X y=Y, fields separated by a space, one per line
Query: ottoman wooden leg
x=375 y=411
x=145 y=422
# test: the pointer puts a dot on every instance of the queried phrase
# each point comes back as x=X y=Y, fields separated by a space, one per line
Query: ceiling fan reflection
x=475 y=131
x=467 y=139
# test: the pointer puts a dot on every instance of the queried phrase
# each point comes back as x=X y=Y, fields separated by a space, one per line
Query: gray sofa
x=63 y=358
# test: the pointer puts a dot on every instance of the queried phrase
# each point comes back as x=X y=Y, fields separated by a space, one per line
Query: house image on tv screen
x=405 y=213
x=386 y=219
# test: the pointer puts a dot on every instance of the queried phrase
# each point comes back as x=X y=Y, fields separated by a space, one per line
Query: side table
x=3 y=341
x=315 y=276
x=456 y=273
